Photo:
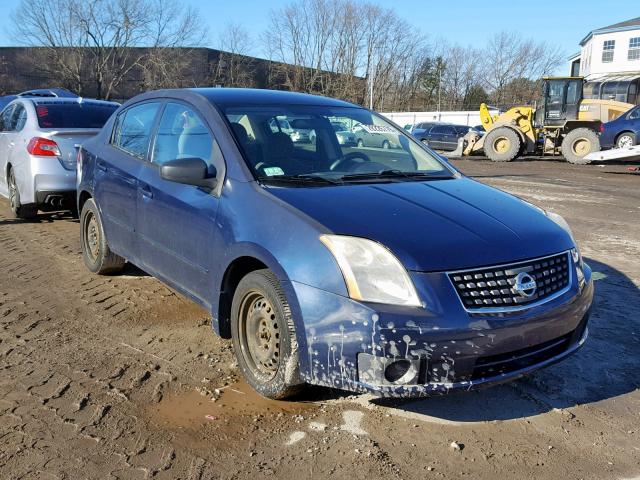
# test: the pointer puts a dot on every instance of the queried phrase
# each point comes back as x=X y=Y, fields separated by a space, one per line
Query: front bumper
x=347 y=343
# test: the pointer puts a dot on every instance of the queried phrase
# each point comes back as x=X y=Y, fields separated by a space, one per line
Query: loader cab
x=561 y=97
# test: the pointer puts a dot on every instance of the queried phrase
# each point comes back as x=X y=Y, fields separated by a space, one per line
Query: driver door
x=176 y=222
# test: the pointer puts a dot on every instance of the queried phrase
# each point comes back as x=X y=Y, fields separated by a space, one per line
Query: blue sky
x=562 y=22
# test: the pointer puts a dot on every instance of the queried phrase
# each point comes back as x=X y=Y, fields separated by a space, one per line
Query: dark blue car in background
x=361 y=268
x=622 y=132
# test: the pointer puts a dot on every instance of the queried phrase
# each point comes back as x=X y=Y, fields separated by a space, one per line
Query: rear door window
x=73 y=114
x=133 y=129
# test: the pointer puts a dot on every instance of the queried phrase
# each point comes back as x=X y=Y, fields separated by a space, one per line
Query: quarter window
x=19 y=118
x=133 y=129
x=607 y=50
x=5 y=119
x=183 y=134
x=634 y=48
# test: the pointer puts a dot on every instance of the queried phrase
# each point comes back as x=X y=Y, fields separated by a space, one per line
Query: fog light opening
x=399 y=372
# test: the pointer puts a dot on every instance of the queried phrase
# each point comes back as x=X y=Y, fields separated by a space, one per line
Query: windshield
x=73 y=115
x=329 y=145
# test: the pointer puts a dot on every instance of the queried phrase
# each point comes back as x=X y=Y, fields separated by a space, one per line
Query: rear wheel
x=264 y=337
x=18 y=209
x=579 y=143
x=626 y=140
x=502 y=144
x=96 y=253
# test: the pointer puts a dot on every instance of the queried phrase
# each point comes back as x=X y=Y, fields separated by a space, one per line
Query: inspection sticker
x=272 y=171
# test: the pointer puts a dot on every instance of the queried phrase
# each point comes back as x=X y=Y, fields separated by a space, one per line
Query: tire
x=386 y=145
x=626 y=139
x=96 y=253
x=360 y=143
x=19 y=210
x=264 y=337
x=502 y=144
x=578 y=143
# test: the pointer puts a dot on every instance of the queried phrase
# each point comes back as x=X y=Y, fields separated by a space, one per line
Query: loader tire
x=578 y=143
x=502 y=144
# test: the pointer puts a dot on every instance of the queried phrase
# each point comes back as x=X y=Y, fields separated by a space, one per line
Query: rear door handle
x=101 y=166
x=145 y=190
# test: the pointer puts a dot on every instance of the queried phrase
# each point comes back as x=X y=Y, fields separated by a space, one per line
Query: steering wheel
x=350 y=161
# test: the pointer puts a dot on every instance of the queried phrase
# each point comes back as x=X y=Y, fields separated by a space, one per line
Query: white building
x=609 y=59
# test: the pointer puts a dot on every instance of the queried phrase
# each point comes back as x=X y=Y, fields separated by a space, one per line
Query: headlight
x=372 y=273
x=561 y=222
x=575 y=252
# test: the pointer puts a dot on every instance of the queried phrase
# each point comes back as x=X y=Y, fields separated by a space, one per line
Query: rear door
x=436 y=137
x=633 y=122
x=449 y=138
x=176 y=222
x=6 y=128
x=117 y=171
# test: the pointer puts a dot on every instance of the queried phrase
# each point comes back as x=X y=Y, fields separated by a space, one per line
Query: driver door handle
x=145 y=191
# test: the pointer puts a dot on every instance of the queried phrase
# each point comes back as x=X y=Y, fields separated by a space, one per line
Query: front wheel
x=96 y=253
x=264 y=337
x=502 y=144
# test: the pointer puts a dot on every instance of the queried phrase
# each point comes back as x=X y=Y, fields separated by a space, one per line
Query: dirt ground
x=113 y=377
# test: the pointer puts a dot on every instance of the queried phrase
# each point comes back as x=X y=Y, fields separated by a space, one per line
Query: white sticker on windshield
x=272 y=171
x=378 y=129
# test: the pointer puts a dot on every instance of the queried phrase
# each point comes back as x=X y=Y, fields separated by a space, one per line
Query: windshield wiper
x=307 y=178
x=393 y=174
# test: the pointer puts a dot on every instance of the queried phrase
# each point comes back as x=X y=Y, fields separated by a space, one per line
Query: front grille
x=491 y=366
x=493 y=287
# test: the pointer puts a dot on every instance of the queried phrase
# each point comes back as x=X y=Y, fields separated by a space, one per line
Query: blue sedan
x=622 y=132
x=381 y=270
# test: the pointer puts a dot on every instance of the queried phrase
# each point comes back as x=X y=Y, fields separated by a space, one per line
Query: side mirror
x=190 y=171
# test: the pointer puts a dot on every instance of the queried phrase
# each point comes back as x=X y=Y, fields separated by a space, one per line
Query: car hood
x=436 y=225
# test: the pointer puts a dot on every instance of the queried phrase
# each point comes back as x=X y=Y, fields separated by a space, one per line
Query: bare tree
x=235 y=68
x=508 y=57
x=102 y=39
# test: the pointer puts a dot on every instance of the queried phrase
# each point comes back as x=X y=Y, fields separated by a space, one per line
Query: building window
x=634 y=48
x=607 y=51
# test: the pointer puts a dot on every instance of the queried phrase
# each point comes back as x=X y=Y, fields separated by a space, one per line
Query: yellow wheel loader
x=564 y=122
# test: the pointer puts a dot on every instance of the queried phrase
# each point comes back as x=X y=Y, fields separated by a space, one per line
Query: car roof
x=255 y=96
x=243 y=96
x=67 y=101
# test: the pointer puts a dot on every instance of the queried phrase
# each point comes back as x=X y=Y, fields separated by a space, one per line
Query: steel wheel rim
x=581 y=147
x=13 y=192
x=501 y=144
x=92 y=236
x=259 y=335
x=625 y=141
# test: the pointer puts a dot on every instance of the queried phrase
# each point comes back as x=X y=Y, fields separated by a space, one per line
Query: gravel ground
x=120 y=377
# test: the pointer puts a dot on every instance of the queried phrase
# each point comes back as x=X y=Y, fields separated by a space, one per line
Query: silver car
x=38 y=147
